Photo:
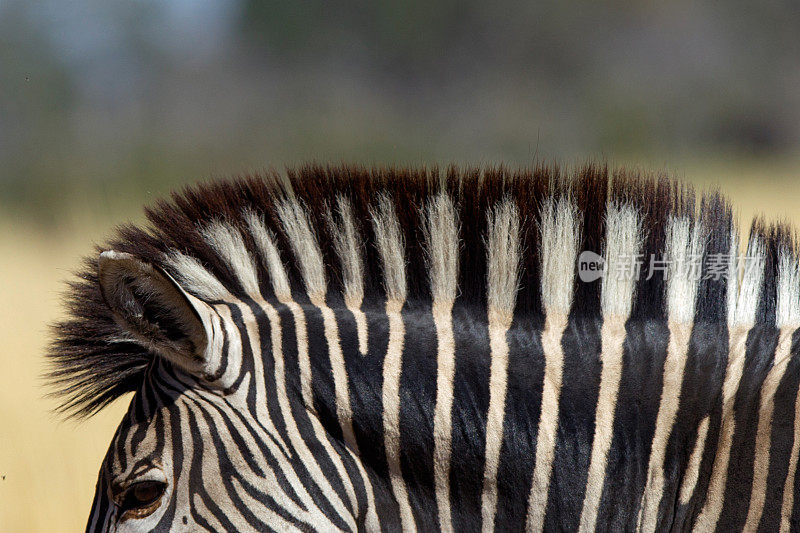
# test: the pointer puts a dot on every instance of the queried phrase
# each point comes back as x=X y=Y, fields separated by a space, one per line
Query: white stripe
x=548 y=420
x=441 y=238
x=695 y=460
x=347 y=243
x=196 y=279
x=391 y=248
x=498 y=385
x=390 y=245
x=684 y=253
x=503 y=258
x=733 y=276
x=442 y=421
x=612 y=339
x=752 y=276
x=623 y=241
x=392 y=368
x=305 y=247
x=560 y=235
x=441 y=227
x=228 y=243
x=361 y=328
x=271 y=257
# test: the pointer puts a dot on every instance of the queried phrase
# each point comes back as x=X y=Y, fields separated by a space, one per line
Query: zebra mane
x=358 y=236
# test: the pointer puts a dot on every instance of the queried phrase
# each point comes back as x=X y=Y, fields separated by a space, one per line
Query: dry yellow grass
x=49 y=466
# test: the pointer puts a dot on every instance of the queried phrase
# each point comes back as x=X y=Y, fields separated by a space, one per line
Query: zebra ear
x=158 y=314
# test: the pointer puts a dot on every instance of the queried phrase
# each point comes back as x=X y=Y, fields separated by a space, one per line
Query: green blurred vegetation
x=106 y=105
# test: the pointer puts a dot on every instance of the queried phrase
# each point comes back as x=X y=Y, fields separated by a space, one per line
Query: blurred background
x=105 y=106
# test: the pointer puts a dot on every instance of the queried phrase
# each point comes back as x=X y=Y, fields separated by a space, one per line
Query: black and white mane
x=94 y=363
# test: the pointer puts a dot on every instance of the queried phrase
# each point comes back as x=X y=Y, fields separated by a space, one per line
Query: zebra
x=343 y=348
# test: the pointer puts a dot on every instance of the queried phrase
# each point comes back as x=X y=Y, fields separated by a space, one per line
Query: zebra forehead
x=509 y=240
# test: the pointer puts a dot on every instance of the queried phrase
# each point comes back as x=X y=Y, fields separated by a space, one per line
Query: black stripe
x=417 y=400
x=581 y=344
x=470 y=405
x=700 y=397
x=366 y=386
x=760 y=350
x=523 y=406
x=644 y=352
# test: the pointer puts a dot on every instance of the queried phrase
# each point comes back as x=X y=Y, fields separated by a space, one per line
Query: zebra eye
x=141 y=499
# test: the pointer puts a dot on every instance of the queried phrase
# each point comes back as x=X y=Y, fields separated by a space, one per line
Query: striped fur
x=503 y=255
x=560 y=235
x=623 y=239
x=376 y=349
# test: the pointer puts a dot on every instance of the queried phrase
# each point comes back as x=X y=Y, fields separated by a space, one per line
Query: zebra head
x=199 y=447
